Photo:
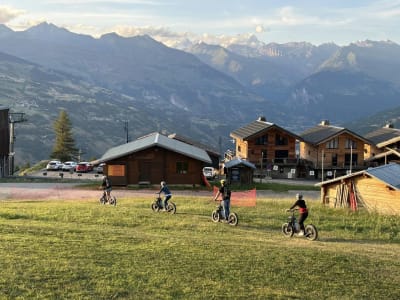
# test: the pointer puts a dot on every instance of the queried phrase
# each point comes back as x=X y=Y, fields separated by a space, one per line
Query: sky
x=315 y=21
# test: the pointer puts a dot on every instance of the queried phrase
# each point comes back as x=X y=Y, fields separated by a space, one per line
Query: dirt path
x=66 y=191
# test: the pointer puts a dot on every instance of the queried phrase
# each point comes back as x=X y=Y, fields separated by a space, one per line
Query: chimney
x=325 y=123
x=262 y=119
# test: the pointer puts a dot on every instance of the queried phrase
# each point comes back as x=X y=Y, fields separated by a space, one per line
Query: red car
x=83 y=167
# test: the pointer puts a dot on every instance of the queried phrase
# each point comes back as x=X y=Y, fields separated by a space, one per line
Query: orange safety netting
x=244 y=198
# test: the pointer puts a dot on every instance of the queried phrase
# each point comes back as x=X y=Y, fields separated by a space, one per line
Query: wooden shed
x=376 y=189
x=239 y=171
x=153 y=158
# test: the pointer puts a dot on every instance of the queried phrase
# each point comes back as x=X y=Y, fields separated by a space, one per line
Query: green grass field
x=82 y=250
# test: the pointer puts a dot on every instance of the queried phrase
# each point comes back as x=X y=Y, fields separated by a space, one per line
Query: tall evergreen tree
x=64 y=148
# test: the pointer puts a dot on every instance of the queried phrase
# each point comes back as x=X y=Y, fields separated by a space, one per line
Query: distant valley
x=202 y=91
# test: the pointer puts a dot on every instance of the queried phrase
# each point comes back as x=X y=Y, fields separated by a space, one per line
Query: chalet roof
x=323 y=133
x=238 y=161
x=186 y=140
x=156 y=139
x=258 y=126
x=384 y=136
x=389 y=174
x=390 y=152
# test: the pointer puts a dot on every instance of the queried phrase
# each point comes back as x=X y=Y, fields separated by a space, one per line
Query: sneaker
x=301 y=233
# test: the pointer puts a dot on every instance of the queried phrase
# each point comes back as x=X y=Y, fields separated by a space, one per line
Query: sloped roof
x=156 y=139
x=384 y=136
x=258 y=126
x=383 y=154
x=323 y=133
x=186 y=140
x=239 y=161
x=389 y=174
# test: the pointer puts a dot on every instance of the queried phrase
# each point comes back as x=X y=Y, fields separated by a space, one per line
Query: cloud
x=260 y=28
x=8 y=13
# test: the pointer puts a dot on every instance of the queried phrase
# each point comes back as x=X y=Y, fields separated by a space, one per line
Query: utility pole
x=12 y=119
x=126 y=129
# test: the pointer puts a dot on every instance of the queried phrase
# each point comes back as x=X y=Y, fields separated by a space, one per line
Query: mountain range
x=202 y=91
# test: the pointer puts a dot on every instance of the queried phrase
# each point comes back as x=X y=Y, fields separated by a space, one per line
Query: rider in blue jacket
x=164 y=189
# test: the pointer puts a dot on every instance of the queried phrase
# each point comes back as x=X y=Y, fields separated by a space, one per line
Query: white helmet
x=163 y=183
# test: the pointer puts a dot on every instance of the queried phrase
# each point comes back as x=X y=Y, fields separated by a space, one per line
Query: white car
x=69 y=166
x=209 y=172
x=99 y=168
x=54 y=165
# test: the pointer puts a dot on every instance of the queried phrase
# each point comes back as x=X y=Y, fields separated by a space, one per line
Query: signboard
x=116 y=170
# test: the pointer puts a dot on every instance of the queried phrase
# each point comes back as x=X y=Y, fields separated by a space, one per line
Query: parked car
x=209 y=172
x=54 y=165
x=99 y=168
x=84 y=167
x=69 y=166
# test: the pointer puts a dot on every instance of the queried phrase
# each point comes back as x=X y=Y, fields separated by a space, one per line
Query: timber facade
x=268 y=146
x=385 y=146
x=332 y=151
x=155 y=158
x=376 y=189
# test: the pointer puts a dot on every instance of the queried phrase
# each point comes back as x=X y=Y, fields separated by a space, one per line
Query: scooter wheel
x=233 y=219
x=215 y=216
x=287 y=230
x=155 y=207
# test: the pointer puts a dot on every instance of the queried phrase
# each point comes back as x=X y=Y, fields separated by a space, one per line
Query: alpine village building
x=321 y=152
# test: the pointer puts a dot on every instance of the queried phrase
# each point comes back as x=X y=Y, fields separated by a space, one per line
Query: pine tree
x=64 y=148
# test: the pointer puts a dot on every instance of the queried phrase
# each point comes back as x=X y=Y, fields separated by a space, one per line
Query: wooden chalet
x=376 y=189
x=385 y=147
x=239 y=171
x=153 y=158
x=268 y=146
x=212 y=153
x=332 y=151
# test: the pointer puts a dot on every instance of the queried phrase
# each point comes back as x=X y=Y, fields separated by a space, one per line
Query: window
x=351 y=144
x=350 y=159
x=333 y=143
x=334 y=160
x=262 y=140
x=239 y=149
x=181 y=167
x=281 y=140
x=264 y=156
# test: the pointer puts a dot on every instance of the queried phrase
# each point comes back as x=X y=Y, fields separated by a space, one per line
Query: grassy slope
x=72 y=250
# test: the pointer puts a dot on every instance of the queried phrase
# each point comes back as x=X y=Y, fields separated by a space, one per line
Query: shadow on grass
x=356 y=241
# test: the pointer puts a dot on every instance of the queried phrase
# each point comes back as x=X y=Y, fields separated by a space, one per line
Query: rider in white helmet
x=106 y=185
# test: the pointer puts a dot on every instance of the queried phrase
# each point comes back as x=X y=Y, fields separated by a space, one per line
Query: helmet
x=299 y=196
x=223 y=181
x=104 y=177
x=163 y=183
